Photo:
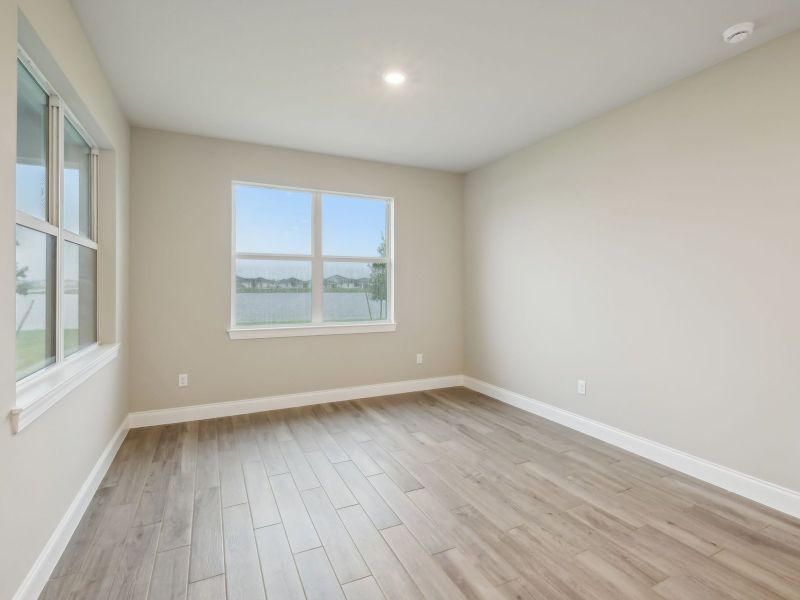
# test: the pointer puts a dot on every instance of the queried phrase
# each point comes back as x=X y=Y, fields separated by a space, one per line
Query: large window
x=56 y=299
x=307 y=261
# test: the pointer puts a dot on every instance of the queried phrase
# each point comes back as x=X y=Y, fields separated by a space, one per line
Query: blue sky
x=352 y=226
x=272 y=220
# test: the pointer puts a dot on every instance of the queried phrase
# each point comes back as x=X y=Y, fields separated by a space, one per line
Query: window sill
x=250 y=333
x=43 y=390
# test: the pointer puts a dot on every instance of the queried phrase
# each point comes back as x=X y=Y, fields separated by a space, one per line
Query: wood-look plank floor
x=444 y=494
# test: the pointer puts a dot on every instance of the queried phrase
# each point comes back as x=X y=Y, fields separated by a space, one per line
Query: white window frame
x=317 y=326
x=36 y=392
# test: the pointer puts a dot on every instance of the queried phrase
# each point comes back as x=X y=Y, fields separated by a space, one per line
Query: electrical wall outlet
x=581 y=387
x=419 y=359
x=183 y=380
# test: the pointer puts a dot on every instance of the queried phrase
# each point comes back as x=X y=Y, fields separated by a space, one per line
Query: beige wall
x=654 y=252
x=180 y=275
x=43 y=467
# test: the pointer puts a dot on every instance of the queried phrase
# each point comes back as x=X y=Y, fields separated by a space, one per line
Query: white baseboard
x=241 y=407
x=763 y=492
x=37 y=577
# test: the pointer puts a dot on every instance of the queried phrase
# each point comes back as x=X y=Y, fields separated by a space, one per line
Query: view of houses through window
x=304 y=257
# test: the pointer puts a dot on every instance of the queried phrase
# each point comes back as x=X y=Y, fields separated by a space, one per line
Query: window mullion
x=317 y=280
x=388 y=244
x=94 y=186
x=95 y=158
x=56 y=191
x=356 y=259
x=52 y=160
x=68 y=236
x=36 y=224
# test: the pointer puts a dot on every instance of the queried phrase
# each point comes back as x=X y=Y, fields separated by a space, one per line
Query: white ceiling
x=485 y=77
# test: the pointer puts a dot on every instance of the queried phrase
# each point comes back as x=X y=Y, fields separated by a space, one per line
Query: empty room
x=369 y=299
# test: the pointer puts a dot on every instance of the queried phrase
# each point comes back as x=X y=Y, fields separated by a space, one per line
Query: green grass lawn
x=32 y=352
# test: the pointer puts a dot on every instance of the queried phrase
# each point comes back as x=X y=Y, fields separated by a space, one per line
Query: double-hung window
x=56 y=230
x=308 y=262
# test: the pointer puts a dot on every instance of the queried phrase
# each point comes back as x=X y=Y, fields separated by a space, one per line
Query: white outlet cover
x=581 y=387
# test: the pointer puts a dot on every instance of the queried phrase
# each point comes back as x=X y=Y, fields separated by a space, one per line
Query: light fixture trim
x=394 y=77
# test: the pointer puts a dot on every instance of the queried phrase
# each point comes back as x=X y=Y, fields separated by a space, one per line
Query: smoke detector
x=738 y=33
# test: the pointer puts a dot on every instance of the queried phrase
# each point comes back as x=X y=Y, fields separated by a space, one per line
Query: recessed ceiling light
x=738 y=33
x=394 y=77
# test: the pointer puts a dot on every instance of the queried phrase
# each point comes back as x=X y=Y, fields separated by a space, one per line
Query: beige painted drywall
x=655 y=253
x=180 y=275
x=43 y=467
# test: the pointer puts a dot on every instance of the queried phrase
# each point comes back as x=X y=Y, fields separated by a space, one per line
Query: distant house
x=334 y=282
x=254 y=283
x=293 y=282
x=264 y=284
x=341 y=282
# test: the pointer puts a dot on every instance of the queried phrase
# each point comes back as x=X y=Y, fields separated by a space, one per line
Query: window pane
x=272 y=220
x=354 y=292
x=77 y=182
x=273 y=291
x=80 y=297
x=32 y=119
x=36 y=301
x=353 y=226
